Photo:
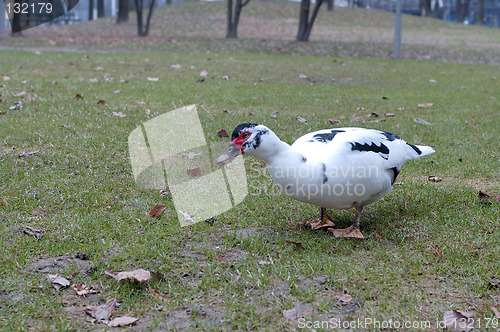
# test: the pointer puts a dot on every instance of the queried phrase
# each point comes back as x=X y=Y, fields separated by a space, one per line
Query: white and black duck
x=339 y=168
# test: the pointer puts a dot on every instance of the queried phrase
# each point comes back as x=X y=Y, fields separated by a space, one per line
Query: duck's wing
x=366 y=145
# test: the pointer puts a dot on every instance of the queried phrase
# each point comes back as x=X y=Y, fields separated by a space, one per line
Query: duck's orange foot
x=319 y=224
x=347 y=232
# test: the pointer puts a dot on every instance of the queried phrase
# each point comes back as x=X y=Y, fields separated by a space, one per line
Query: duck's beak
x=231 y=152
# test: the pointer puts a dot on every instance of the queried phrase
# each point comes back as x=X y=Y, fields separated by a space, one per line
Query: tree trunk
x=306 y=22
x=91 y=10
x=480 y=13
x=462 y=8
x=122 y=12
x=141 y=30
x=330 y=4
x=233 y=17
x=100 y=8
x=16 y=25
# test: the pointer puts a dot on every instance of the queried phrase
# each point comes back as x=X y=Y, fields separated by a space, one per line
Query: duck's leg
x=324 y=221
x=352 y=231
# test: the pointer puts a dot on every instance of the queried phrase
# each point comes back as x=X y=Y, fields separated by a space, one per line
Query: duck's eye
x=245 y=135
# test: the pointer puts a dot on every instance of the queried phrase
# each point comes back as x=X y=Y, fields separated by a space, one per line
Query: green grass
x=429 y=247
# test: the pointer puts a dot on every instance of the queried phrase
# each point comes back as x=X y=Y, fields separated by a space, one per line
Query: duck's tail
x=425 y=150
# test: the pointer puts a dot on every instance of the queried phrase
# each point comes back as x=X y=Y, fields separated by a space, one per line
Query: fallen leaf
x=32 y=231
x=157 y=211
x=176 y=66
x=379 y=236
x=78 y=96
x=373 y=114
x=401 y=108
x=93 y=80
x=139 y=275
x=101 y=102
x=103 y=312
x=496 y=312
x=222 y=133
x=53 y=82
x=433 y=178
x=147 y=111
x=302 y=76
x=191 y=155
x=117 y=91
x=345 y=298
x=119 y=114
x=17 y=105
x=334 y=122
x=203 y=73
x=194 y=172
x=389 y=114
x=122 y=321
x=425 y=105
x=31 y=97
x=6 y=78
x=98 y=68
x=384 y=97
x=153 y=79
x=27 y=153
x=4 y=202
x=418 y=120
x=225 y=77
x=483 y=195
x=299 y=310
x=302 y=120
x=274 y=114
x=432 y=81
x=297 y=245
x=20 y=94
x=57 y=281
x=456 y=320
x=82 y=289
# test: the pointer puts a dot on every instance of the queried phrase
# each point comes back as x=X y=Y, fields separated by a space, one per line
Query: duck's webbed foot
x=352 y=231
x=324 y=221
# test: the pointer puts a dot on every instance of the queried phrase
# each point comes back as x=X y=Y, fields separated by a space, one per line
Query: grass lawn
x=64 y=169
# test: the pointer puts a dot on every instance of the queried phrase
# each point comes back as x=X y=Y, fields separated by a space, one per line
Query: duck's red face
x=242 y=138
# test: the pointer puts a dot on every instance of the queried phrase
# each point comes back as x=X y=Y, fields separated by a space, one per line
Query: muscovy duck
x=337 y=168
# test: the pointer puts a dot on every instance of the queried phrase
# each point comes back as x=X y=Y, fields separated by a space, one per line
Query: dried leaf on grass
x=302 y=120
x=297 y=245
x=101 y=313
x=418 y=120
x=32 y=231
x=425 y=105
x=194 y=172
x=119 y=114
x=483 y=195
x=334 y=122
x=299 y=310
x=457 y=320
x=203 y=73
x=78 y=96
x=82 y=289
x=20 y=94
x=4 y=202
x=496 y=312
x=434 y=178
x=101 y=102
x=302 y=76
x=153 y=79
x=222 y=133
x=157 y=210
x=57 y=281
x=122 y=321
x=139 y=275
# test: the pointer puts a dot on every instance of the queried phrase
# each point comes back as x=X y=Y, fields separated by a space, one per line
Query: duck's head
x=251 y=139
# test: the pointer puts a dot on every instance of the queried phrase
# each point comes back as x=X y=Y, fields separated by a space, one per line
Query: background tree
x=91 y=10
x=306 y=22
x=330 y=5
x=462 y=8
x=143 y=30
x=100 y=8
x=430 y=12
x=122 y=12
x=233 y=17
x=480 y=13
